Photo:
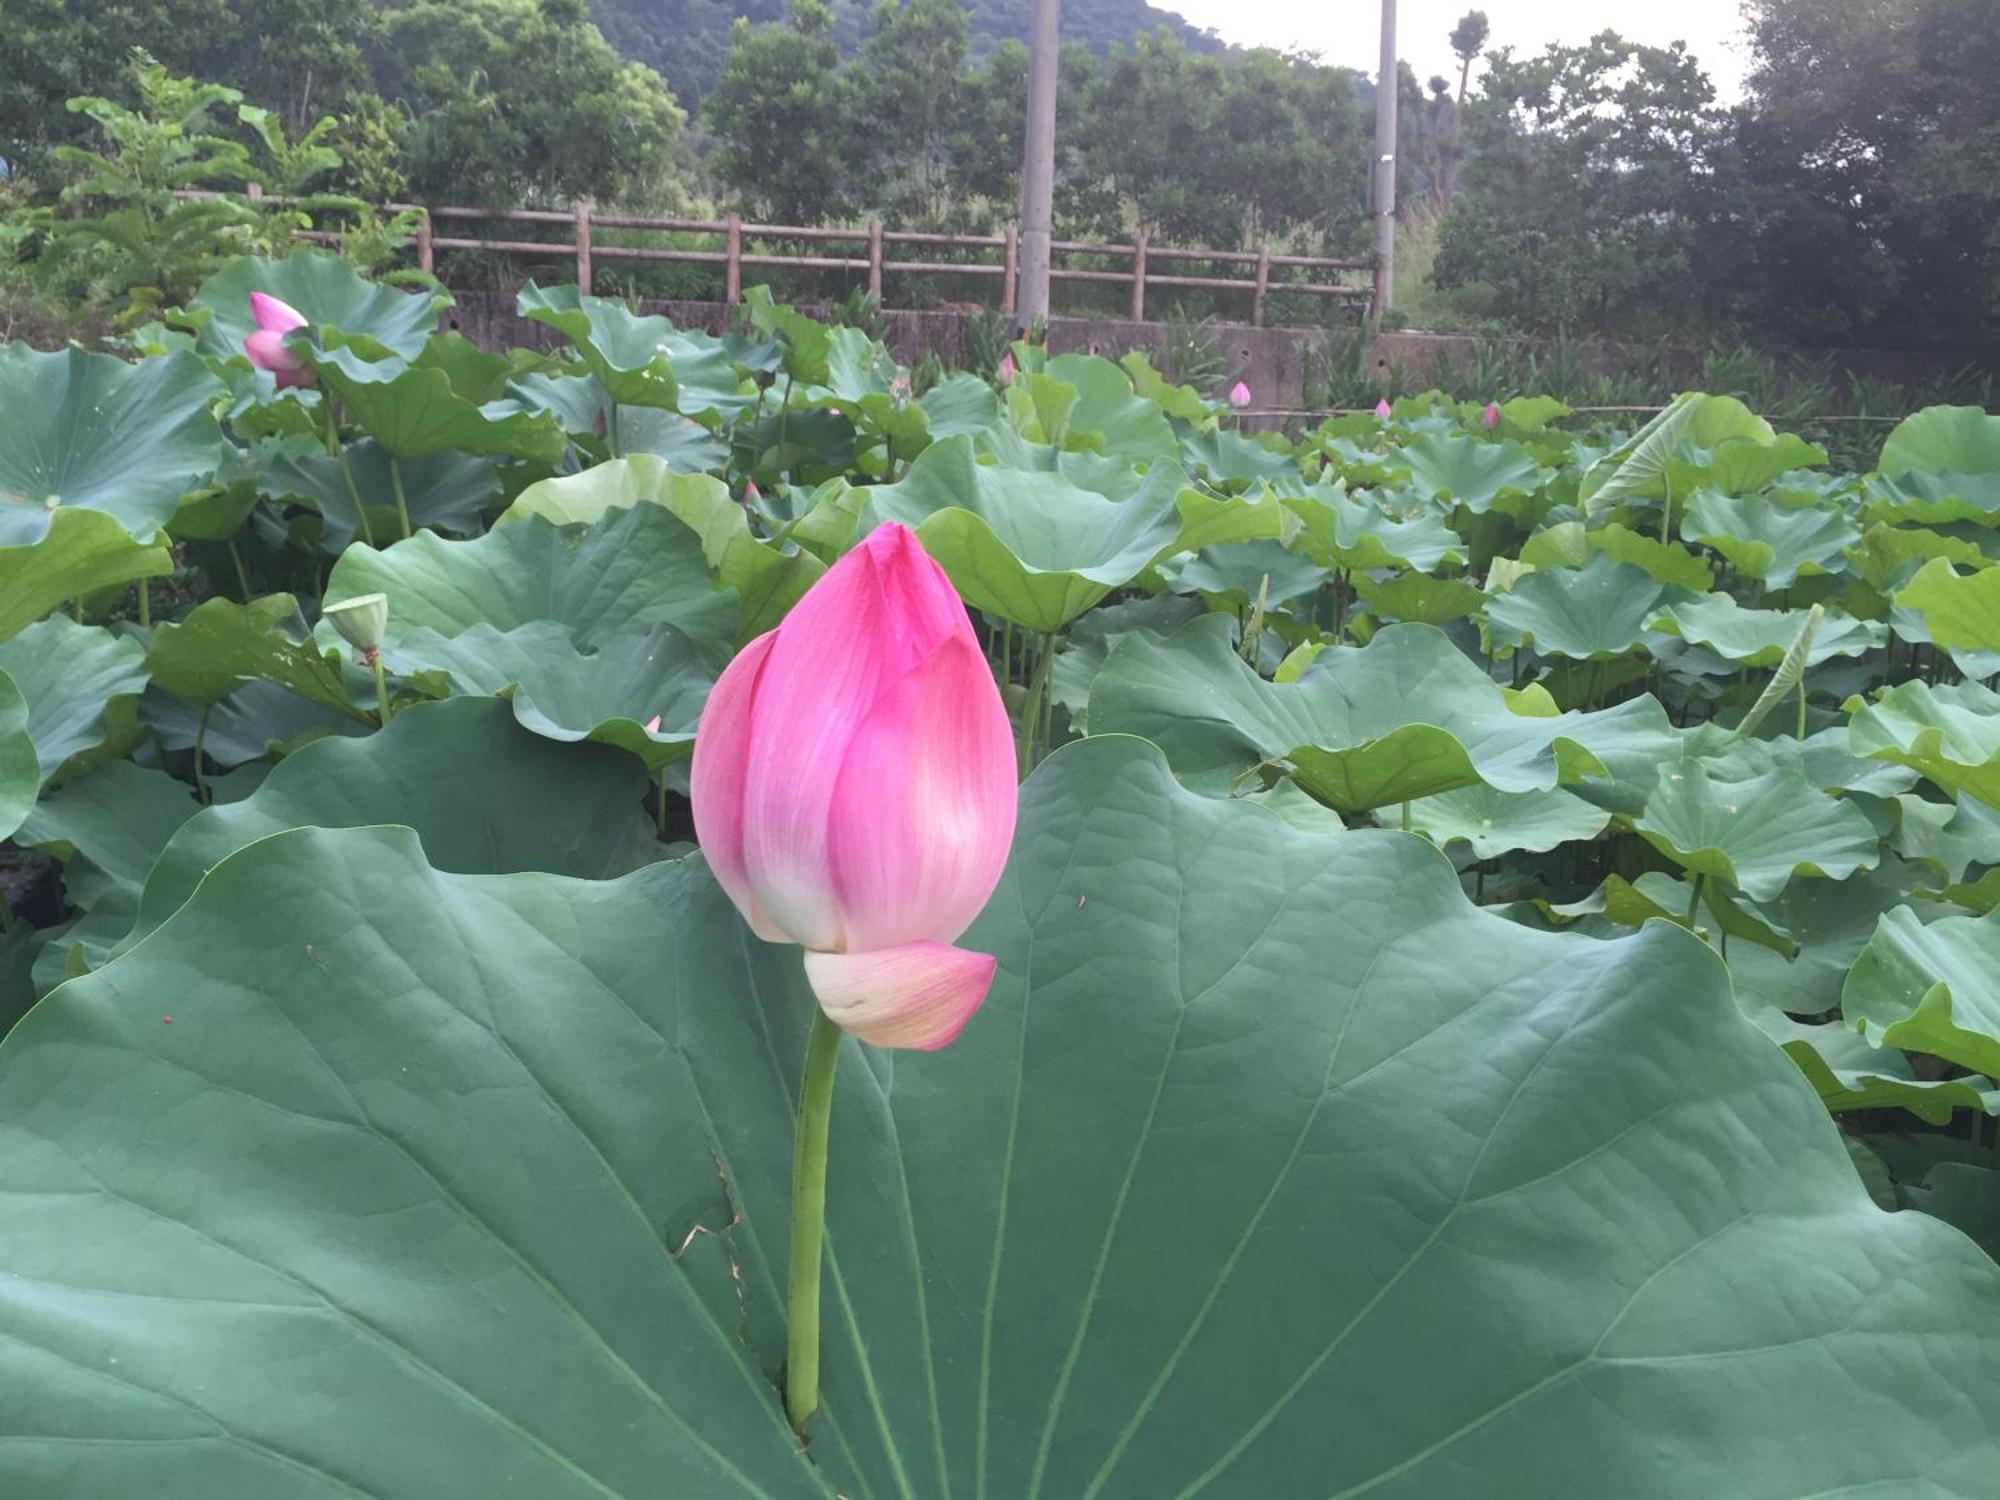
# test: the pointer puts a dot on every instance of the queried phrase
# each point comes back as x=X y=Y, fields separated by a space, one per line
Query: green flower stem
x=402 y=505
x=200 y=749
x=382 y=706
x=145 y=603
x=367 y=531
x=242 y=576
x=809 y=1221
x=1694 y=900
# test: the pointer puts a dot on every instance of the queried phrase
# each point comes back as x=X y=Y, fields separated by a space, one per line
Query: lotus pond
x=1497 y=991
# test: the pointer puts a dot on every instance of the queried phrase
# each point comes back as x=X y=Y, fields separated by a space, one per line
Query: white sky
x=1347 y=31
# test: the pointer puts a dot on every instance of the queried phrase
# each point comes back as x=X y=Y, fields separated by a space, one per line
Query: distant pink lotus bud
x=853 y=788
x=1007 y=368
x=751 y=494
x=1491 y=416
x=1382 y=409
x=1239 y=395
x=266 y=347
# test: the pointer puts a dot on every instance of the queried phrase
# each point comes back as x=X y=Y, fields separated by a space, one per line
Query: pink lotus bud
x=853 y=787
x=1007 y=368
x=1382 y=409
x=1491 y=416
x=1239 y=395
x=266 y=347
x=751 y=494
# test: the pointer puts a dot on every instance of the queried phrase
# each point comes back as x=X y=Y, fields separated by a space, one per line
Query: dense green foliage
x=368 y=1011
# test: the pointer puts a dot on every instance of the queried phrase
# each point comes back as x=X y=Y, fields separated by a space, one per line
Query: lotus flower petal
x=914 y=995
x=274 y=316
x=715 y=781
x=1239 y=395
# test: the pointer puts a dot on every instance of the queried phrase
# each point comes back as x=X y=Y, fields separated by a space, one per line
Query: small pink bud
x=854 y=792
x=1382 y=409
x=1491 y=416
x=751 y=494
x=1007 y=368
x=266 y=347
x=1239 y=395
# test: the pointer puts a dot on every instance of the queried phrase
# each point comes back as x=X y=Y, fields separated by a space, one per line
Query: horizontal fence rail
x=999 y=254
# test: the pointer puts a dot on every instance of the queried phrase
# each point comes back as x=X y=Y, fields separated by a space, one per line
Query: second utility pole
x=1038 y=167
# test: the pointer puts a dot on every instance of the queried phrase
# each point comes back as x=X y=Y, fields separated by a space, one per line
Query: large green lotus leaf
x=632 y=570
x=960 y=404
x=412 y=411
x=1406 y=716
x=1465 y=471
x=83 y=551
x=204 y=657
x=1344 y=531
x=1685 y=435
x=1599 y=610
x=627 y=353
x=504 y=1162
x=1418 y=597
x=1032 y=548
x=1886 y=556
x=1744 y=465
x=1950 y=733
x=1959 y=612
x=1236 y=575
x=1761 y=637
x=1949 y=836
x=444 y=491
x=483 y=794
x=1955 y=441
x=1209 y=520
x=258 y=719
x=580 y=404
x=1235 y=458
x=768 y=581
x=1930 y=988
x=607 y=693
x=92 y=432
x=327 y=291
x=1124 y=423
x=1766 y=540
x=20 y=771
x=82 y=685
x=1934 y=499
x=1848 y=1074
x=1491 y=823
x=1567 y=544
x=1089 y=641
x=1756 y=833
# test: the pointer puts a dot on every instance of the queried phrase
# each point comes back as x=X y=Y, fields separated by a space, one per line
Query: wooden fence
x=869 y=250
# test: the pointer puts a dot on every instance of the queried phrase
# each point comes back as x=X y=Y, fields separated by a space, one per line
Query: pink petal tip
x=919 y=995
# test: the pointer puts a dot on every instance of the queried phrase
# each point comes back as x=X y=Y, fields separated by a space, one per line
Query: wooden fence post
x=1010 y=267
x=1263 y=285
x=1139 y=277
x=426 y=243
x=583 y=246
x=732 y=271
x=875 y=259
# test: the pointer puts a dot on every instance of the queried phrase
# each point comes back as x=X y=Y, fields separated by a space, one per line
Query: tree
x=1588 y=187
x=910 y=91
x=780 y=118
x=1468 y=40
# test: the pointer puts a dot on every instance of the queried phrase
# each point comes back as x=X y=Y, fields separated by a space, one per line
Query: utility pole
x=1038 y=169
x=1385 y=167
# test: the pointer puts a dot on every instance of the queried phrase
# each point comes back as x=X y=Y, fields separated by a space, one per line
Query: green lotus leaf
x=1491 y=823
x=327 y=291
x=83 y=552
x=1089 y=641
x=256 y=720
x=1451 y=467
x=1956 y=448
x=1949 y=733
x=608 y=693
x=444 y=491
x=632 y=570
x=958 y=405
x=90 y=432
x=204 y=657
x=1403 y=717
x=1209 y=520
x=389 y=1112
x=1033 y=548
x=1686 y=435
x=82 y=686
x=1602 y=609
x=475 y=374
x=1711 y=913
x=482 y=794
x=1767 y=540
x=1931 y=988
x=1356 y=533
x=1886 y=556
x=20 y=770
x=1949 y=836
x=629 y=354
x=412 y=411
x=1746 y=464
x=1828 y=922
x=1117 y=420
x=1417 y=597
x=768 y=581
x=1758 y=833
x=1235 y=458
x=1960 y=612
x=1236 y=575
x=1761 y=637
x=1568 y=545
x=1181 y=402
x=583 y=409
x=1850 y=1074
